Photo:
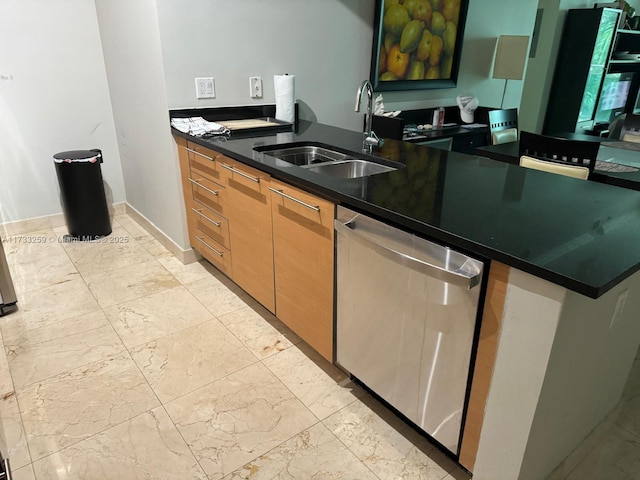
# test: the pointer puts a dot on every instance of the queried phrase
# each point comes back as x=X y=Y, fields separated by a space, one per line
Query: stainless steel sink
x=328 y=161
x=307 y=155
x=350 y=168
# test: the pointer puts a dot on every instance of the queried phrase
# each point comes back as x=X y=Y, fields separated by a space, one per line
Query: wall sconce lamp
x=511 y=55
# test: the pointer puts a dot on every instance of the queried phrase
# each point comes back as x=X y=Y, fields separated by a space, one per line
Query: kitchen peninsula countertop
x=582 y=235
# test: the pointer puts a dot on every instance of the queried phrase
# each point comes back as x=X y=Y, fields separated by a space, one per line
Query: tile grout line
x=161 y=404
x=125 y=349
x=258 y=359
x=319 y=420
x=344 y=444
x=128 y=351
x=15 y=395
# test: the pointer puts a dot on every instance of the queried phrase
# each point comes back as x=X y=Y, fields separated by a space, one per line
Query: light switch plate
x=205 y=87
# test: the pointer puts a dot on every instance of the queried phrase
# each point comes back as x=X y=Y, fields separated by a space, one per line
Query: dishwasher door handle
x=454 y=277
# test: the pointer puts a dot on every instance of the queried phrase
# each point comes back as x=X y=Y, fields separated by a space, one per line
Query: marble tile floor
x=123 y=363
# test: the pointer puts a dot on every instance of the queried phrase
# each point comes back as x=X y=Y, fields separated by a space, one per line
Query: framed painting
x=417 y=44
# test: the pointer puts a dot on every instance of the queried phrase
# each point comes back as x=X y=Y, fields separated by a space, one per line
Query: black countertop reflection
x=579 y=234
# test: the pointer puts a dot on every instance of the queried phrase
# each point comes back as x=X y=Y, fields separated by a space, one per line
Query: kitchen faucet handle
x=373 y=139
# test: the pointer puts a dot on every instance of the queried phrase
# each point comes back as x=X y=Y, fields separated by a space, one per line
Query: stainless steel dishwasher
x=406 y=316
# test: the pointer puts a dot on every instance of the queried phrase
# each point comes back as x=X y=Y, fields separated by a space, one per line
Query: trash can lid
x=91 y=156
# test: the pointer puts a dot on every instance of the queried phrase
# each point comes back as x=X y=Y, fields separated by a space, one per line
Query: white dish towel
x=198 y=126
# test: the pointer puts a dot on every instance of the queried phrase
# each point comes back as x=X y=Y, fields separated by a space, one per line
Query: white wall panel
x=131 y=43
x=55 y=98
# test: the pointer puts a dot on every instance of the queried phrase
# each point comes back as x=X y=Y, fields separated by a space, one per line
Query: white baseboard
x=29 y=225
x=185 y=256
x=56 y=220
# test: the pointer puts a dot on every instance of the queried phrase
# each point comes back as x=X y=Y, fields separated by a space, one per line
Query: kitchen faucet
x=370 y=138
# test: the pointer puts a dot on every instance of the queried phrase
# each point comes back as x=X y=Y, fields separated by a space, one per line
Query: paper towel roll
x=285 y=86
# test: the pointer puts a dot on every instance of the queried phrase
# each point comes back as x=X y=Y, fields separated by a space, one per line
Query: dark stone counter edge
x=592 y=291
x=402 y=221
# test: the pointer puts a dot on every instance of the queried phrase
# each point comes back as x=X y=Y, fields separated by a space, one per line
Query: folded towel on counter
x=198 y=126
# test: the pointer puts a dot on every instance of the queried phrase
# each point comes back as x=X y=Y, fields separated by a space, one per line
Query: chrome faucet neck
x=370 y=137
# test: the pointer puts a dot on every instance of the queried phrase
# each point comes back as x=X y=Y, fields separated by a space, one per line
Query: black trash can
x=83 y=199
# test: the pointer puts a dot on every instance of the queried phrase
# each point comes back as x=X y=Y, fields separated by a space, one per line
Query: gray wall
x=54 y=98
x=326 y=44
x=153 y=49
x=132 y=54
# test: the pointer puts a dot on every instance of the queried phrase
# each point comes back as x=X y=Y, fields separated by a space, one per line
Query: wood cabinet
x=273 y=240
x=303 y=241
x=206 y=202
x=250 y=229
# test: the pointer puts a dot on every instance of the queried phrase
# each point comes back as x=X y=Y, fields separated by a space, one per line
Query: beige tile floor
x=123 y=363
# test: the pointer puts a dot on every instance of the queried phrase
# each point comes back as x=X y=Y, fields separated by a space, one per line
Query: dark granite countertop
x=582 y=235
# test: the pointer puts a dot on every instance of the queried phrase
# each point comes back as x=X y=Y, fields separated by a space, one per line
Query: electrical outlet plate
x=205 y=87
x=255 y=87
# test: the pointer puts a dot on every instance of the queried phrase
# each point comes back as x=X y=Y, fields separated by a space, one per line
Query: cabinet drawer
x=203 y=162
x=210 y=194
x=218 y=255
x=210 y=223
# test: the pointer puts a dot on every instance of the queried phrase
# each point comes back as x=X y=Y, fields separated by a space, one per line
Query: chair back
x=503 y=125
x=574 y=171
x=631 y=129
x=559 y=150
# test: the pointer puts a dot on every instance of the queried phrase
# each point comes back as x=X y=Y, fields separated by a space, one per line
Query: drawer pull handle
x=315 y=208
x=199 y=212
x=232 y=169
x=217 y=252
x=212 y=192
x=200 y=154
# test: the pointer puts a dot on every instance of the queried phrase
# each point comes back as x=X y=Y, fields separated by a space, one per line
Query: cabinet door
x=249 y=207
x=303 y=256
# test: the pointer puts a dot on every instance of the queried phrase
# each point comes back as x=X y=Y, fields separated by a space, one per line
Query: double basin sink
x=329 y=161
